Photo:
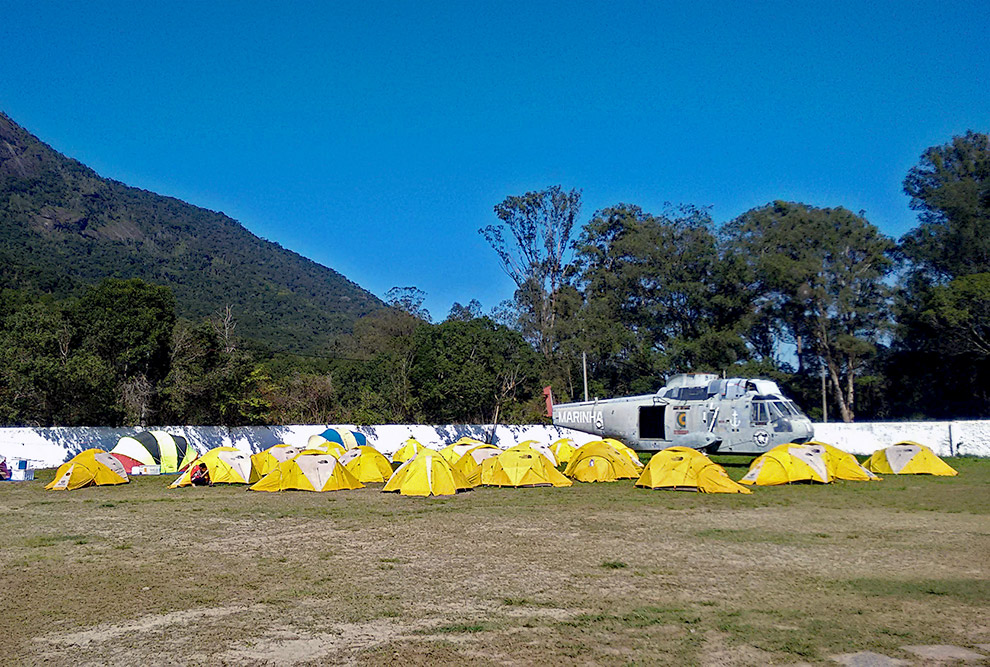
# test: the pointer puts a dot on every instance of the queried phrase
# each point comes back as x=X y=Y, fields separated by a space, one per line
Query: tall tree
x=950 y=186
x=128 y=324
x=408 y=300
x=652 y=300
x=532 y=241
x=385 y=342
x=942 y=300
x=822 y=272
x=467 y=371
x=47 y=380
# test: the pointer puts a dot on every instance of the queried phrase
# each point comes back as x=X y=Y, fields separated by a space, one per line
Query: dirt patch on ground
x=593 y=574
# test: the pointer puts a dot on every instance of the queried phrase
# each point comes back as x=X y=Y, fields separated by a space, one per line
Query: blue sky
x=376 y=137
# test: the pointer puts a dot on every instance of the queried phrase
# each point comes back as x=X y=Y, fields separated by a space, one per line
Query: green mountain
x=62 y=226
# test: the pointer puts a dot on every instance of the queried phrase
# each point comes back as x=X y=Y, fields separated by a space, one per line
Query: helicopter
x=697 y=410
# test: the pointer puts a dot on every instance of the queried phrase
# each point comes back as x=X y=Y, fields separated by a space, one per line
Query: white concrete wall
x=955 y=438
x=49 y=447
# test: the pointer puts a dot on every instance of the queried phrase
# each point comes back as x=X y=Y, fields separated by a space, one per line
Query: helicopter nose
x=803 y=430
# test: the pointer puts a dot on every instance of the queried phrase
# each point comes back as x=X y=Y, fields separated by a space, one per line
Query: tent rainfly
x=149 y=448
x=787 y=464
x=426 y=474
x=683 y=468
x=908 y=458
x=309 y=472
x=598 y=461
x=367 y=464
x=227 y=465
x=521 y=466
x=88 y=468
x=408 y=450
x=266 y=461
x=454 y=451
x=842 y=465
x=563 y=449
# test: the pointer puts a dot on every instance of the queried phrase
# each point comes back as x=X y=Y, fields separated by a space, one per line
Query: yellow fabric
x=786 y=464
x=320 y=444
x=686 y=468
x=626 y=449
x=318 y=472
x=408 y=450
x=367 y=464
x=469 y=465
x=521 y=466
x=563 y=449
x=456 y=450
x=843 y=465
x=598 y=461
x=539 y=447
x=923 y=462
x=481 y=452
x=266 y=461
x=88 y=467
x=470 y=469
x=426 y=474
x=227 y=465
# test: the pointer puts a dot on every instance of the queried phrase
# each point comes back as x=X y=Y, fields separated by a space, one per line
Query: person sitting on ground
x=200 y=475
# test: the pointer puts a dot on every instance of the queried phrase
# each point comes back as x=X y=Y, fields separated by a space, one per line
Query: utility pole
x=584 y=363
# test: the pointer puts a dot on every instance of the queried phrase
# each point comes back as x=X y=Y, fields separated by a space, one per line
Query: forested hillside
x=63 y=227
x=853 y=324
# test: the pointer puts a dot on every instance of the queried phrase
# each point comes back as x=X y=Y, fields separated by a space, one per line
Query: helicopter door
x=651 y=422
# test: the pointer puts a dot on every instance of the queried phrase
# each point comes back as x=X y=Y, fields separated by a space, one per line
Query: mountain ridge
x=63 y=226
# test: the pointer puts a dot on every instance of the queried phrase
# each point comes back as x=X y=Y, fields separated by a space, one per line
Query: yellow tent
x=563 y=449
x=908 y=458
x=540 y=447
x=320 y=444
x=408 y=450
x=309 y=472
x=481 y=452
x=88 y=467
x=625 y=449
x=456 y=450
x=521 y=466
x=469 y=465
x=227 y=465
x=842 y=465
x=367 y=464
x=266 y=461
x=598 y=461
x=687 y=469
x=426 y=474
x=786 y=464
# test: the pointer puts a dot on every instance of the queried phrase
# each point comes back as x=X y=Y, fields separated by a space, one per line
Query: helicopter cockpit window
x=778 y=410
x=759 y=413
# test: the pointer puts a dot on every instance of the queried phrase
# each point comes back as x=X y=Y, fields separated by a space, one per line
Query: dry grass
x=593 y=574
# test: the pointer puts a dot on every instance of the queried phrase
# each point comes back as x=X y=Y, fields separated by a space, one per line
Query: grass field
x=592 y=574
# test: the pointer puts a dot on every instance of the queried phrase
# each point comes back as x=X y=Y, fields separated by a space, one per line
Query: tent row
x=326 y=465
